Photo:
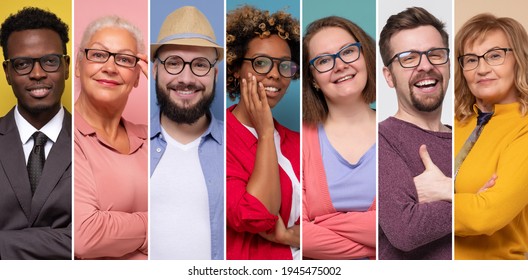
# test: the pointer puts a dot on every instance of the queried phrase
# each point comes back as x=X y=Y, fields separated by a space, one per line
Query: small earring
x=314 y=84
x=236 y=84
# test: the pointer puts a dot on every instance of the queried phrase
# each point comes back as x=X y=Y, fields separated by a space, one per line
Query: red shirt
x=246 y=215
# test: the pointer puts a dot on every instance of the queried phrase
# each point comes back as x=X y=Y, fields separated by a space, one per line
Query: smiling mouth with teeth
x=183 y=92
x=345 y=78
x=271 y=89
x=426 y=83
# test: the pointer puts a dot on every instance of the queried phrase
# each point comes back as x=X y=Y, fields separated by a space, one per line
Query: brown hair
x=315 y=108
x=476 y=29
x=246 y=23
x=409 y=19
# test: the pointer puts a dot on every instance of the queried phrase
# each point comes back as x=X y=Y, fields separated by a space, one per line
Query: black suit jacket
x=39 y=226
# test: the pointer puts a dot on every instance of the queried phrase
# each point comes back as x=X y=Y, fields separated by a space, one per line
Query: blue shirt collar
x=215 y=129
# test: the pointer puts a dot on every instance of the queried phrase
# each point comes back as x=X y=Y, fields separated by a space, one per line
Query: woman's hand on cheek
x=254 y=96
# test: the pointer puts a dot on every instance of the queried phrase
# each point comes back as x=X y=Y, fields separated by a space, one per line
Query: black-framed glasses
x=411 y=59
x=263 y=64
x=102 y=56
x=492 y=57
x=347 y=54
x=200 y=66
x=24 y=65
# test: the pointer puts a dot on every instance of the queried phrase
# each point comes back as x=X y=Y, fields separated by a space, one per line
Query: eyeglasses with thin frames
x=411 y=59
x=102 y=56
x=492 y=57
x=263 y=64
x=347 y=54
x=24 y=65
x=200 y=66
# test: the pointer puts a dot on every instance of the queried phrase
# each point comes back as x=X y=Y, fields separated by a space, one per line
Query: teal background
x=287 y=112
x=361 y=12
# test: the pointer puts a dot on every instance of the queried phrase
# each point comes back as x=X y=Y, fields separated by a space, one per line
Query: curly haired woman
x=262 y=161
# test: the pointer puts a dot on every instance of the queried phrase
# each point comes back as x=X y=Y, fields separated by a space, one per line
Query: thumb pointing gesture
x=432 y=184
x=426 y=159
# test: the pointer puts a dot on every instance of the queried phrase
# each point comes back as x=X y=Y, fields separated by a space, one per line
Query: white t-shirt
x=179 y=205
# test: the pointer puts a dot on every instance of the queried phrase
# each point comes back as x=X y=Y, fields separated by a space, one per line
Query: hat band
x=186 y=36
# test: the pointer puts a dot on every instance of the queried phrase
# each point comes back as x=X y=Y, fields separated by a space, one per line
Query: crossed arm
x=491 y=209
x=339 y=235
x=404 y=219
x=101 y=232
x=36 y=243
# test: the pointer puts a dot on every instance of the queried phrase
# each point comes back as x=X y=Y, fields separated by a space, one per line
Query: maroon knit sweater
x=408 y=229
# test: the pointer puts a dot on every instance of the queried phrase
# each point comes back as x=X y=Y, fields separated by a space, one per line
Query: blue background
x=214 y=11
x=287 y=112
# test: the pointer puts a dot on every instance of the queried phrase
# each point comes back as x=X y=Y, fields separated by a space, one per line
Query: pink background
x=136 y=12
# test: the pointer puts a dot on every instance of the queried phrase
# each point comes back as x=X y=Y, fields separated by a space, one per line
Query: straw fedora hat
x=186 y=26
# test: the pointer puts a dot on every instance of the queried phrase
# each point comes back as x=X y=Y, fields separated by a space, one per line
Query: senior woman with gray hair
x=111 y=175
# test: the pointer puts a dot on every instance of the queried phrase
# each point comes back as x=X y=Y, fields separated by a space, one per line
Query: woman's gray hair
x=110 y=21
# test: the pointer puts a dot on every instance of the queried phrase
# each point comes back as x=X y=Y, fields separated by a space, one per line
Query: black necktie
x=36 y=159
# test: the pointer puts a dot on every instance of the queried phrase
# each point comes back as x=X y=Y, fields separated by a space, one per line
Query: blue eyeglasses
x=326 y=62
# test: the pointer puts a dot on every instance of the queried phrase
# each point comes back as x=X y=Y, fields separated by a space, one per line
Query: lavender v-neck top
x=352 y=186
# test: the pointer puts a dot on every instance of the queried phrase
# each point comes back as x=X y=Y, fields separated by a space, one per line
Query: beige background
x=516 y=9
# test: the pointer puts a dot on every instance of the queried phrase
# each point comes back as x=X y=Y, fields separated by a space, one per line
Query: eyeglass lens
x=413 y=58
x=102 y=56
x=492 y=57
x=348 y=54
x=48 y=63
x=200 y=66
x=264 y=64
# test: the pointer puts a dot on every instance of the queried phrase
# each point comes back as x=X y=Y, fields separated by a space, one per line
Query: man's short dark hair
x=33 y=18
x=409 y=19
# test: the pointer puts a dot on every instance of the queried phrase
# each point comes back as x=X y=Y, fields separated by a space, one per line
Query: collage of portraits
x=264 y=130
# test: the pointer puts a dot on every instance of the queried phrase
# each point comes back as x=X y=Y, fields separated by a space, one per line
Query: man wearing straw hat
x=187 y=162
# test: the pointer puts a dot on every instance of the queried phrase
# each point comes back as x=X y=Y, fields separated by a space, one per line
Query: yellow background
x=63 y=9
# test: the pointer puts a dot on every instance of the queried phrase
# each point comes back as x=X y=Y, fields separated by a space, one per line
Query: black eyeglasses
x=492 y=57
x=24 y=65
x=200 y=66
x=347 y=54
x=263 y=65
x=411 y=59
x=102 y=56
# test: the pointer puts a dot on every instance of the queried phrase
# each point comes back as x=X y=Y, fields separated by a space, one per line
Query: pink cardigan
x=328 y=234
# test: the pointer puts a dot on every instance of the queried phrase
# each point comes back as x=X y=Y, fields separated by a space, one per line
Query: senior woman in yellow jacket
x=491 y=139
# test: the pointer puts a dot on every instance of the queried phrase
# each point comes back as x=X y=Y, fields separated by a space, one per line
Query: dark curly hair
x=33 y=18
x=246 y=23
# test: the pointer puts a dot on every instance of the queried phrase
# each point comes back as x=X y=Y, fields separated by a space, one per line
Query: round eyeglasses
x=411 y=59
x=102 y=56
x=200 y=66
x=24 y=65
x=263 y=65
x=492 y=57
x=347 y=54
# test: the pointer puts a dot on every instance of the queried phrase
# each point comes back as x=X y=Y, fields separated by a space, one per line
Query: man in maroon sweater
x=415 y=193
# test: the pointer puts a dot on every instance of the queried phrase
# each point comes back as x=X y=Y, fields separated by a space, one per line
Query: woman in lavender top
x=339 y=134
